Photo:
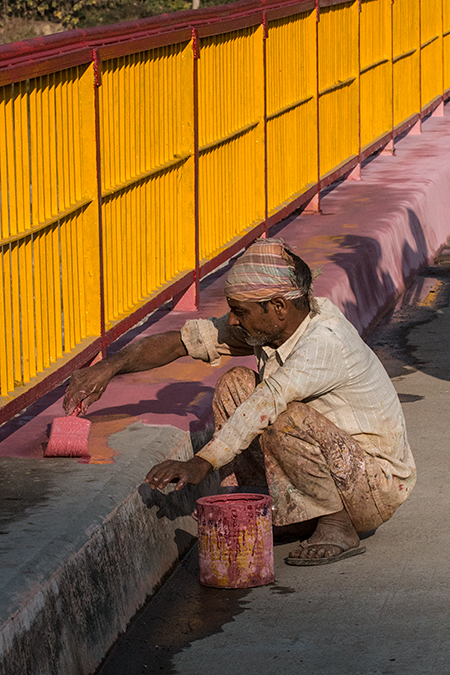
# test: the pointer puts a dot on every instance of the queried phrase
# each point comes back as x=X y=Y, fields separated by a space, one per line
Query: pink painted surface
x=371 y=239
x=235 y=542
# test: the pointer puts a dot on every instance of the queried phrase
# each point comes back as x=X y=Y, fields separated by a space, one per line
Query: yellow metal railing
x=375 y=70
x=135 y=158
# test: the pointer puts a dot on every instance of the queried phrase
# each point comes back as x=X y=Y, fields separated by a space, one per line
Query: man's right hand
x=86 y=386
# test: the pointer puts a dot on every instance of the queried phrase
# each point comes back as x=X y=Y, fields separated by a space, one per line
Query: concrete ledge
x=101 y=552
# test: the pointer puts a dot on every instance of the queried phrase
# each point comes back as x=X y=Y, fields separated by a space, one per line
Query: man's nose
x=232 y=319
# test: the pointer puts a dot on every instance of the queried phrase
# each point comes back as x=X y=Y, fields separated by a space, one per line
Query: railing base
x=187 y=300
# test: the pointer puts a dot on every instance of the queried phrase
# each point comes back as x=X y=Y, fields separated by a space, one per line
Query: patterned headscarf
x=264 y=271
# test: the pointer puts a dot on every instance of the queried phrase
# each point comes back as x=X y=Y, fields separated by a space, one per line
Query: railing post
x=355 y=174
x=439 y=111
x=97 y=84
x=313 y=206
x=417 y=128
x=92 y=275
x=389 y=149
x=189 y=300
x=266 y=206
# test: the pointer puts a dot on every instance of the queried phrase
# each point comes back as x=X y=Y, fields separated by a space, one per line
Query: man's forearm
x=150 y=352
x=88 y=384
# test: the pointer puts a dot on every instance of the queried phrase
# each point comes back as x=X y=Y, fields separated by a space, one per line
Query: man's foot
x=334 y=538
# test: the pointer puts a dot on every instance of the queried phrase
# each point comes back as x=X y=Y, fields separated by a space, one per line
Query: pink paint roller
x=69 y=436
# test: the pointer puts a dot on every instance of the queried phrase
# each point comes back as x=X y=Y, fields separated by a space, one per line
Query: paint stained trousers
x=311 y=467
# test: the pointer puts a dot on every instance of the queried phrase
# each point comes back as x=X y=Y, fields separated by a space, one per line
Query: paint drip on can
x=235 y=540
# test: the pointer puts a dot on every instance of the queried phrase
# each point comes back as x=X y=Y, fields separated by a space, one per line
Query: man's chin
x=259 y=341
x=255 y=340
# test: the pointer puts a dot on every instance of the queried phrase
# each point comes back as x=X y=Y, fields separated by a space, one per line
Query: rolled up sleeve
x=210 y=339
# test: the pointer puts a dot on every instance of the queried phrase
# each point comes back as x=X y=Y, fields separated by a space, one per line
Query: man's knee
x=232 y=389
x=236 y=374
x=285 y=422
x=238 y=379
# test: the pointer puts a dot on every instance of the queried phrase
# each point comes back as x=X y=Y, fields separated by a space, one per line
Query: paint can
x=235 y=540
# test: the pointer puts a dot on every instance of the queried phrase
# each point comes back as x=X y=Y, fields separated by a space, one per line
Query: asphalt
x=384 y=612
x=82 y=545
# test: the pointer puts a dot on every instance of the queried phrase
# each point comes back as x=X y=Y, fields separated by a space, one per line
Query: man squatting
x=320 y=424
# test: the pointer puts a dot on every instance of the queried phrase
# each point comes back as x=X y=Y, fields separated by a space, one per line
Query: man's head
x=269 y=292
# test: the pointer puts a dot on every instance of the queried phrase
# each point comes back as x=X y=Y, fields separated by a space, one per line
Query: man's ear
x=280 y=307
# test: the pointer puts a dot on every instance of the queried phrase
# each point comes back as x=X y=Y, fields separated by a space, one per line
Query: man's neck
x=293 y=321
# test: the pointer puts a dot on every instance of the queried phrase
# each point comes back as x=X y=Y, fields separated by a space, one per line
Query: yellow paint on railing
x=47 y=190
x=291 y=108
x=431 y=48
x=231 y=137
x=338 y=85
x=406 y=39
x=376 y=70
x=147 y=174
x=446 y=43
x=378 y=67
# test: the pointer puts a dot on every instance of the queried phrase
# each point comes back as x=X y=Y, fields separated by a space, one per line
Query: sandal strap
x=307 y=545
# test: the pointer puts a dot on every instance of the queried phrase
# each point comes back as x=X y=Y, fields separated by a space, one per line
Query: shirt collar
x=285 y=350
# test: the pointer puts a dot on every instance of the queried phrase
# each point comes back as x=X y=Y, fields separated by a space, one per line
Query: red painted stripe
x=50 y=382
x=43 y=55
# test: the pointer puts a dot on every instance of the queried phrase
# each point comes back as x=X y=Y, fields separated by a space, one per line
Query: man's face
x=257 y=326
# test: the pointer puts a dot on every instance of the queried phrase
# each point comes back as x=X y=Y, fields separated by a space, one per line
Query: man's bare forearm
x=88 y=384
x=148 y=353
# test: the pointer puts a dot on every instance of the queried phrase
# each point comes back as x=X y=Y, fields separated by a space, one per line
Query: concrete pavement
x=386 y=612
x=82 y=545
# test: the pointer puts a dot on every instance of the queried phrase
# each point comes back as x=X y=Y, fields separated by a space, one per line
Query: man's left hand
x=193 y=471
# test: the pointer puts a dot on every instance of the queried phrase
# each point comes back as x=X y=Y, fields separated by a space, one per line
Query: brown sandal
x=346 y=552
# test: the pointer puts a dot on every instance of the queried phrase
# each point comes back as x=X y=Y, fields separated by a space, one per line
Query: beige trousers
x=311 y=467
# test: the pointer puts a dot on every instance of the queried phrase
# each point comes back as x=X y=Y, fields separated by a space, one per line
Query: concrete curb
x=67 y=622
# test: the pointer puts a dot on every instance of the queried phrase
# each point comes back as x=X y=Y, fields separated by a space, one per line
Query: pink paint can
x=235 y=540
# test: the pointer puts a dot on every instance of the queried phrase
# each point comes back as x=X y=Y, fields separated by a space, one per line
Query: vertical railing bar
x=392 y=146
x=15 y=313
x=196 y=56
x=420 y=67
x=8 y=316
x=317 y=205
x=359 y=90
x=266 y=205
x=442 y=52
x=3 y=334
x=97 y=84
x=356 y=172
x=4 y=210
x=10 y=160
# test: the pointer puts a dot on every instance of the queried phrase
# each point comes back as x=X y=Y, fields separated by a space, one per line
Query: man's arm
x=88 y=384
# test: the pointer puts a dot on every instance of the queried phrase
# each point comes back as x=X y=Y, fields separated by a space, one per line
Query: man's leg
x=232 y=389
x=314 y=470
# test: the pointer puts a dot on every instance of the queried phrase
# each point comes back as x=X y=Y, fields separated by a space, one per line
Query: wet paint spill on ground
x=181 y=613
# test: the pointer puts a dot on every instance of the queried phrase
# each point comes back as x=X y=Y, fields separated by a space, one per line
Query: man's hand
x=193 y=471
x=86 y=386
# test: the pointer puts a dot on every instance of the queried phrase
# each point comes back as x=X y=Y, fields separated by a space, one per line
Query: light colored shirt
x=326 y=364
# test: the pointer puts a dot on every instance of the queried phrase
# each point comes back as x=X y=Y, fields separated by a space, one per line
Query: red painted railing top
x=208 y=21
